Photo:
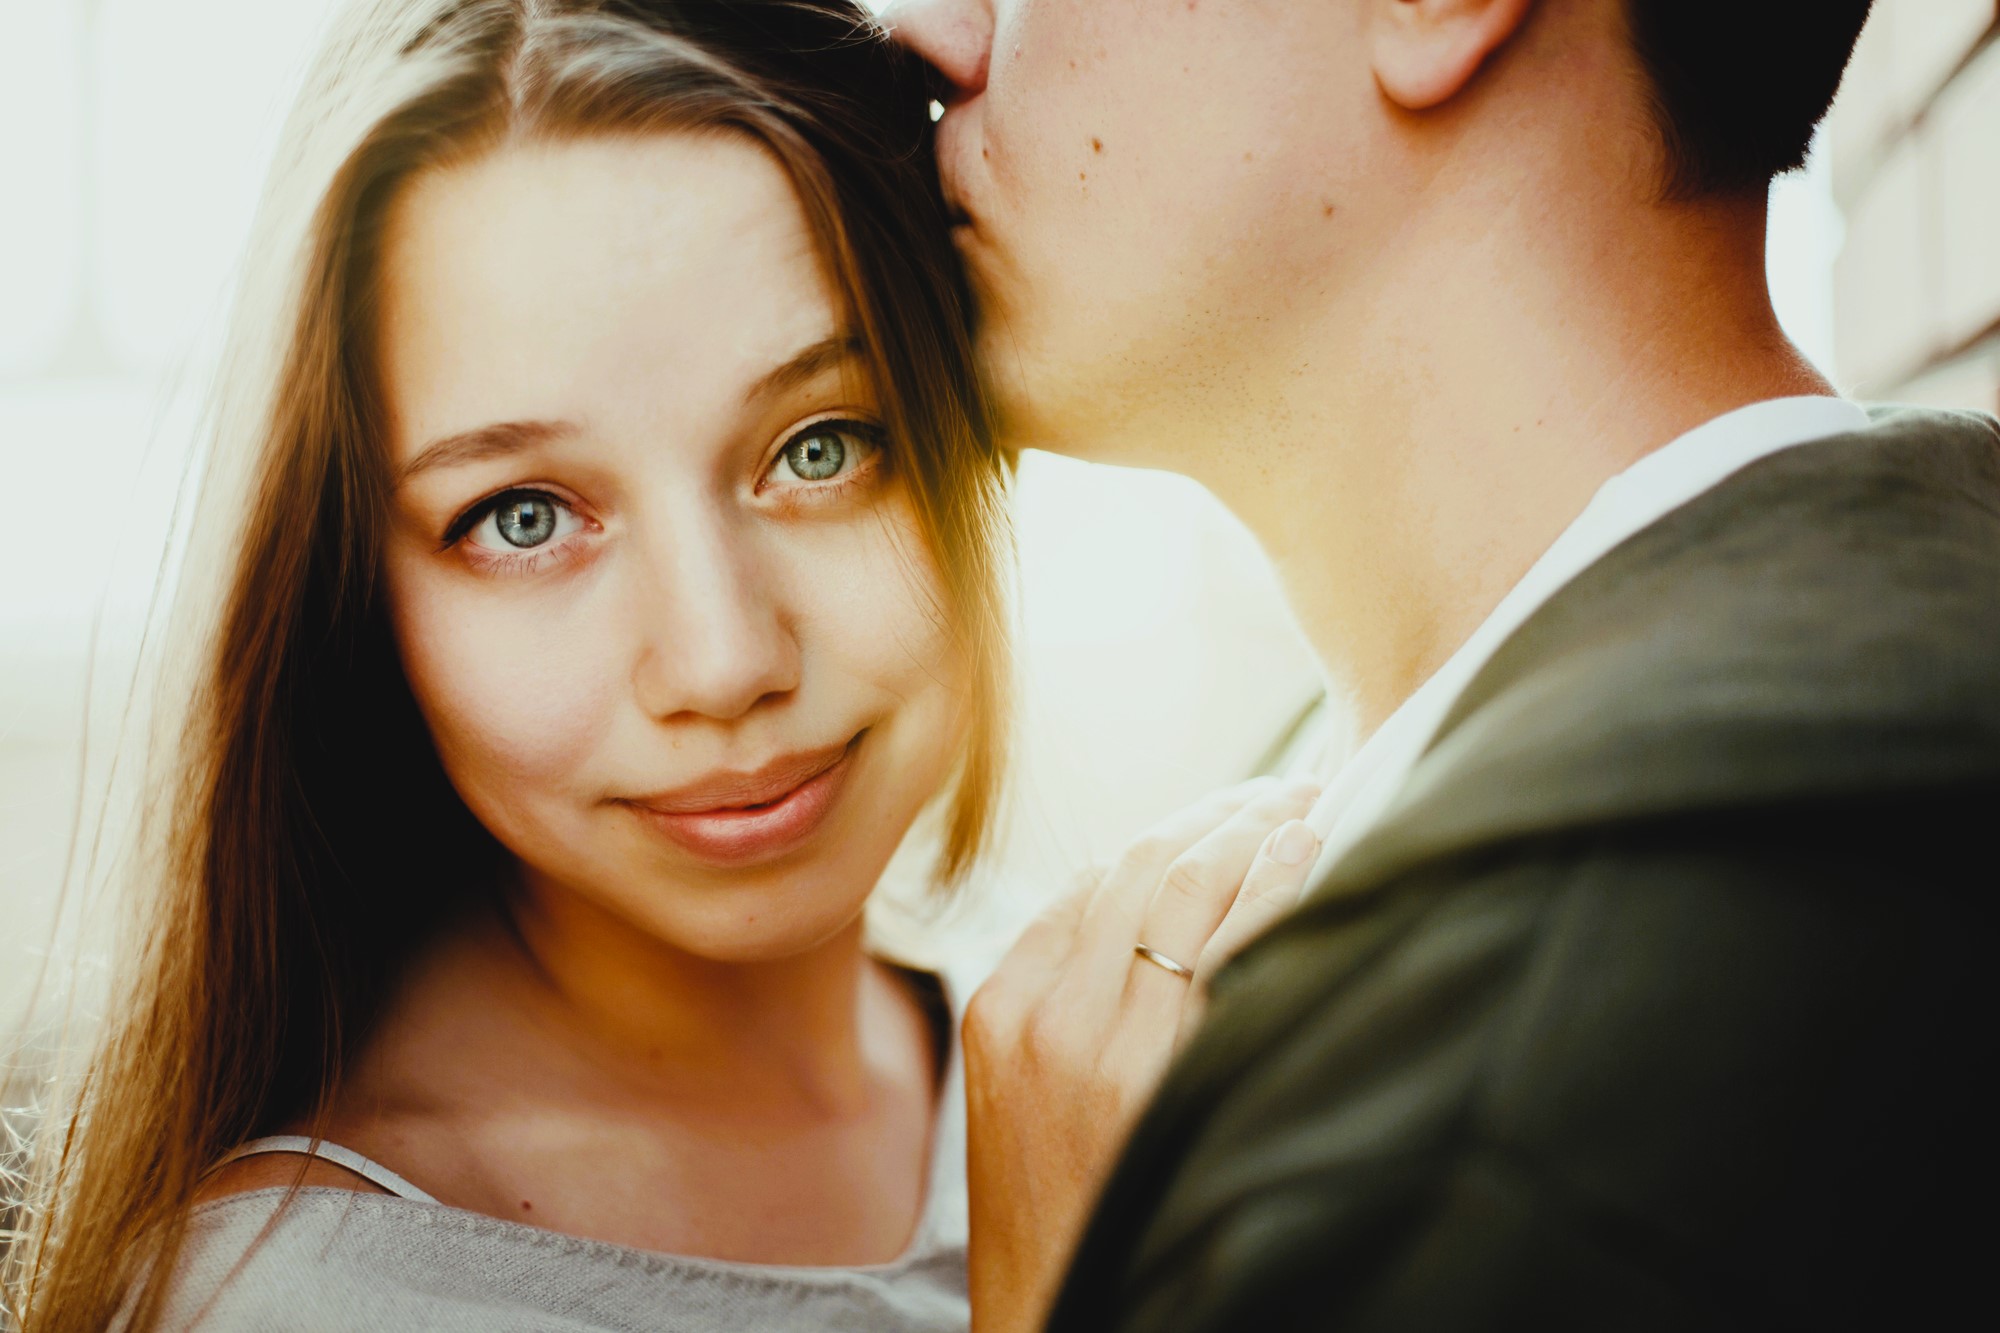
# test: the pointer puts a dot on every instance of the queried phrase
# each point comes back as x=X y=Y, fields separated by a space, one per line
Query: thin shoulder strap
x=372 y=1171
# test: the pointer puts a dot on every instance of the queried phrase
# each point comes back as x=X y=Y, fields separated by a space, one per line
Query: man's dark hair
x=1740 y=85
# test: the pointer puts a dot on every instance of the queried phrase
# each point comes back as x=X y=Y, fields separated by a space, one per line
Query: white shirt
x=1359 y=791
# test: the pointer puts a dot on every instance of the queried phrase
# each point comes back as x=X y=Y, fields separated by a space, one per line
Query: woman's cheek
x=886 y=624
x=517 y=696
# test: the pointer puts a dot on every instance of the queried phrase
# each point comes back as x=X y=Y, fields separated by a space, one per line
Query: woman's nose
x=715 y=641
x=954 y=36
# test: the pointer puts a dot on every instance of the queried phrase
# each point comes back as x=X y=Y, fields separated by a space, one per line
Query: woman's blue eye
x=816 y=455
x=526 y=522
x=514 y=521
x=825 y=451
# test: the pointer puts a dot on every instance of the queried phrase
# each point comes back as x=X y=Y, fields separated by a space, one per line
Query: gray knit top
x=339 y=1259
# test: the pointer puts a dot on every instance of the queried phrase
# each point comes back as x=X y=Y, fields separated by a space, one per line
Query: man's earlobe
x=1425 y=52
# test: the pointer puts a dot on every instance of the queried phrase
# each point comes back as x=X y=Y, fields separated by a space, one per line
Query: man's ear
x=1426 y=51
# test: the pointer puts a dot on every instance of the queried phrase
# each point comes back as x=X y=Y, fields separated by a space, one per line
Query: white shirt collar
x=1361 y=789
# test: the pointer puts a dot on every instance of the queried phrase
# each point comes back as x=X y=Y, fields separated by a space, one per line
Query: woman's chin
x=769 y=932
x=755 y=916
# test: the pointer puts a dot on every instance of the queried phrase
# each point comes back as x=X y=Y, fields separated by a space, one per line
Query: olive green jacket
x=1658 y=1000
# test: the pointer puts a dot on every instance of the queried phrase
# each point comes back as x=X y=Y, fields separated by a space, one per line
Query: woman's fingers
x=1273 y=887
x=1276 y=880
x=1037 y=960
x=1094 y=980
x=1047 y=942
x=1196 y=894
x=1059 y=1057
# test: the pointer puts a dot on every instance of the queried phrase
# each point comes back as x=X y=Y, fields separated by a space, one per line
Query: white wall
x=1916 y=165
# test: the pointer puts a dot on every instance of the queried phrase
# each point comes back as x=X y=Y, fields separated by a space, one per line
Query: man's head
x=1166 y=199
x=1737 y=89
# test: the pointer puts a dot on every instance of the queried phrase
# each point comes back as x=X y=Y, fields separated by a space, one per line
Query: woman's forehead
x=616 y=276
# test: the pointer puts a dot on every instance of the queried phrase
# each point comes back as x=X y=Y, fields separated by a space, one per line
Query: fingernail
x=1293 y=844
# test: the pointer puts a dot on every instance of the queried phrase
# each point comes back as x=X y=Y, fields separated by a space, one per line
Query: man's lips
x=747 y=817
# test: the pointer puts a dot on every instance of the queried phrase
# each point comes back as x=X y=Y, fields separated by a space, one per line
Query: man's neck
x=1461 y=413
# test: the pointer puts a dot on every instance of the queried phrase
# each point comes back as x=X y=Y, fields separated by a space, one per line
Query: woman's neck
x=797 y=1025
x=559 y=992
x=557 y=1064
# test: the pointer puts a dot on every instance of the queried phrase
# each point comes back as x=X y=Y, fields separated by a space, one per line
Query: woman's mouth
x=746 y=818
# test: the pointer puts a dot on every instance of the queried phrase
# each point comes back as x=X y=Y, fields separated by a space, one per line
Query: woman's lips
x=744 y=819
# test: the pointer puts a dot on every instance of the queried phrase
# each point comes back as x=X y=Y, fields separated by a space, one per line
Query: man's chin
x=1021 y=416
x=1059 y=413
x=1055 y=433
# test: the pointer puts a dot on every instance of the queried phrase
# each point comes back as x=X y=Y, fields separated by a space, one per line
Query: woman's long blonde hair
x=300 y=839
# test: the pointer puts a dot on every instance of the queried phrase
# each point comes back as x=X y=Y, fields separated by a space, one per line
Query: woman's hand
x=1066 y=1041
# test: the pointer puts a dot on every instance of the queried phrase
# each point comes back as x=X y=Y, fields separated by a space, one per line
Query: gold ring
x=1160 y=960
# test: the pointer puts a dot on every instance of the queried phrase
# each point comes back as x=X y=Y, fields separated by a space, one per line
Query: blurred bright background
x=1159 y=660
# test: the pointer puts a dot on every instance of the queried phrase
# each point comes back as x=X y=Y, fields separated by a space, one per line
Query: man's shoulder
x=1665 y=921
x=1823 y=625
x=1695 y=1074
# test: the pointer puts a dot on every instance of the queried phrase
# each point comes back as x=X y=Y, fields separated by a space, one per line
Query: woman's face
x=657 y=587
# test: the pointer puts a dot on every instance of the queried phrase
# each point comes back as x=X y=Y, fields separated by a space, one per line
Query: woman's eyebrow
x=814 y=360
x=506 y=437
x=483 y=442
